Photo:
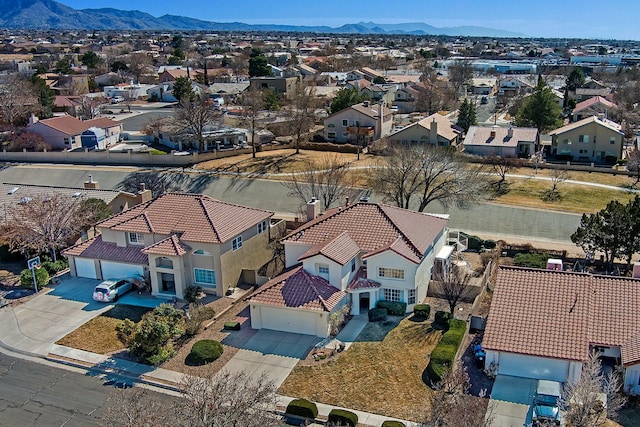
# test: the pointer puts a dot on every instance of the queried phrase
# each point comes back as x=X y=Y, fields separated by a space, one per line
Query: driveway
x=511 y=400
x=272 y=353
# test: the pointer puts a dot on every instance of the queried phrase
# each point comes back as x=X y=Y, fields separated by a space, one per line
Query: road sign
x=34 y=263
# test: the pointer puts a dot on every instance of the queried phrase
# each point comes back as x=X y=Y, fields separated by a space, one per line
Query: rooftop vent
x=13 y=190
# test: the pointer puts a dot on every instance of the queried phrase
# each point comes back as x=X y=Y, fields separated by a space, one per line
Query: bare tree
x=501 y=167
x=252 y=103
x=302 y=112
x=633 y=165
x=327 y=180
x=17 y=99
x=138 y=407
x=558 y=176
x=452 y=406
x=138 y=64
x=422 y=174
x=460 y=73
x=593 y=397
x=455 y=285
x=88 y=106
x=42 y=222
x=193 y=118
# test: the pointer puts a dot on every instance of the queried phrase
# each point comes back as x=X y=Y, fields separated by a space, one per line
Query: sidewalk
x=14 y=340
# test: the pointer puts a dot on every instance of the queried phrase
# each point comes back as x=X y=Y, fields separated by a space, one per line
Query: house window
x=331 y=125
x=412 y=296
x=204 y=276
x=583 y=138
x=583 y=151
x=567 y=142
x=236 y=243
x=353 y=265
x=391 y=273
x=262 y=227
x=136 y=238
x=331 y=135
x=345 y=123
x=201 y=252
x=612 y=140
x=66 y=141
x=392 y=295
x=323 y=269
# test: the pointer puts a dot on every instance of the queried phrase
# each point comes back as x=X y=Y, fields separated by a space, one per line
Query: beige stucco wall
x=598 y=133
x=253 y=254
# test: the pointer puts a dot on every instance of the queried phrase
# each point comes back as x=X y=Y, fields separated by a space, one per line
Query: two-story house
x=356 y=254
x=593 y=140
x=177 y=240
x=359 y=124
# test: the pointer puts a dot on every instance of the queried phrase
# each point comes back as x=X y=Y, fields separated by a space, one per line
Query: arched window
x=201 y=252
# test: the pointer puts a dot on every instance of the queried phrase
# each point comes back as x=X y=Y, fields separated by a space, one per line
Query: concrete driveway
x=273 y=353
x=511 y=400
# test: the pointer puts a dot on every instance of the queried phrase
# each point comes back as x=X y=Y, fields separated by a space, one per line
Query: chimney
x=636 y=270
x=143 y=195
x=433 y=132
x=33 y=119
x=365 y=103
x=91 y=184
x=510 y=132
x=313 y=209
x=346 y=201
x=493 y=131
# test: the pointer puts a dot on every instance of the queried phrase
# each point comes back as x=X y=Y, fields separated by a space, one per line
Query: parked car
x=484 y=100
x=110 y=290
x=545 y=403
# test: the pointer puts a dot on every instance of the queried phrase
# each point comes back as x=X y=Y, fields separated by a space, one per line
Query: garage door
x=86 y=268
x=115 y=270
x=541 y=368
x=288 y=321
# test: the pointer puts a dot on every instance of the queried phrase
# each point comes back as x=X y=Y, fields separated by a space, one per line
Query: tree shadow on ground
x=160 y=182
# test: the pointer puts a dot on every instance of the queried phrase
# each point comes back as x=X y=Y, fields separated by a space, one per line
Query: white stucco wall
x=293 y=251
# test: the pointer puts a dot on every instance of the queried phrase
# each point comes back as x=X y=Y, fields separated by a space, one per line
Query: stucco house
x=64 y=132
x=356 y=254
x=435 y=129
x=543 y=323
x=499 y=141
x=596 y=106
x=177 y=240
x=359 y=124
x=592 y=139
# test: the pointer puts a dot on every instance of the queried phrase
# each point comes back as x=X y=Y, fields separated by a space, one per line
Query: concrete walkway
x=350 y=332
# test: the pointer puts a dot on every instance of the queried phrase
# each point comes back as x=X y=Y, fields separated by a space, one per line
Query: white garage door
x=116 y=270
x=288 y=321
x=541 y=368
x=85 y=268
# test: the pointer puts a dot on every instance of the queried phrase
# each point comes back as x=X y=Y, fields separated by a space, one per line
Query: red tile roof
x=71 y=126
x=97 y=249
x=561 y=314
x=360 y=281
x=198 y=217
x=340 y=249
x=297 y=288
x=374 y=226
x=593 y=101
x=171 y=246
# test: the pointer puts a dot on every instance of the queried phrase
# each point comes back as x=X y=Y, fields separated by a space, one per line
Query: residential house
x=356 y=254
x=596 y=106
x=171 y=74
x=582 y=94
x=64 y=132
x=593 y=140
x=359 y=124
x=543 y=324
x=71 y=84
x=380 y=93
x=70 y=104
x=499 y=141
x=280 y=85
x=177 y=241
x=436 y=130
x=163 y=92
x=514 y=86
x=484 y=86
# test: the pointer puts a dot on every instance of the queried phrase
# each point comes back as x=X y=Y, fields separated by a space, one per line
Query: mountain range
x=50 y=14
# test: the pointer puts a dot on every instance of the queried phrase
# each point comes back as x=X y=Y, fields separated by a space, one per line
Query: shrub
x=377 y=314
x=564 y=157
x=422 y=310
x=55 y=267
x=393 y=423
x=26 y=278
x=342 y=417
x=610 y=159
x=442 y=318
x=195 y=316
x=531 y=260
x=126 y=331
x=154 y=335
x=489 y=244
x=393 y=308
x=234 y=326
x=193 y=293
x=302 y=408
x=204 y=351
x=475 y=243
x=443 y=355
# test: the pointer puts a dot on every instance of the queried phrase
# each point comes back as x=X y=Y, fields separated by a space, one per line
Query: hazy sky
x=609 y=19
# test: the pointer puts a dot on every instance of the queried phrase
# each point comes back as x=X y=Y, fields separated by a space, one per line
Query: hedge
x=234 y=326
x=393 y=308
x=205 y=351
x=342 y=417
x=474 y=242
x=442 y=357
x=531 y=260
x=302 y=408
x=422 y=310
x=377 y=314
x=442 y=318
x=393 y=423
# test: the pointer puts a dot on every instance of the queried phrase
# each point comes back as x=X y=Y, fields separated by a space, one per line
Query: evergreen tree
x=467 y=115
x=540 y=110
x=45 y=95
x=182 y=89
x=346 y=98
x=258 y=65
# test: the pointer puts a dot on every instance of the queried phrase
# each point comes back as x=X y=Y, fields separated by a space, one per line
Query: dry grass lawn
x=99 y=335
x=368 y=374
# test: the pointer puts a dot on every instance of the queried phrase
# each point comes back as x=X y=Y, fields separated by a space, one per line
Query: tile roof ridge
x=312 y=279
x=145 y=215
x=201 y=199
x=138 y=207
x=412 y=245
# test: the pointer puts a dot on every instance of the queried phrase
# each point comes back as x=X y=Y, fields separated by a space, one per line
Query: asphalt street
x=34 y=394
x=487 y=219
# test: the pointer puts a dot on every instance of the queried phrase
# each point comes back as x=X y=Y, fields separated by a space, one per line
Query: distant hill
x=49 y=14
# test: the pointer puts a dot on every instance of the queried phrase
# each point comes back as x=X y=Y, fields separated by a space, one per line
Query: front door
x=365 y=300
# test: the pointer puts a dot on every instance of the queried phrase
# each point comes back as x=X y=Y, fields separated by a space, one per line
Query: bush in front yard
x=54 y=267
x=193 y=294
x=342 y=417
x=393 y=308
x=442 y=318
x=393 y=423
x=302 y=408
x=443 y=355
x=153 y=338
x=26 y=278
x=204 y=351
x=195 y=316
x=377 y=314
x=422 y=310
